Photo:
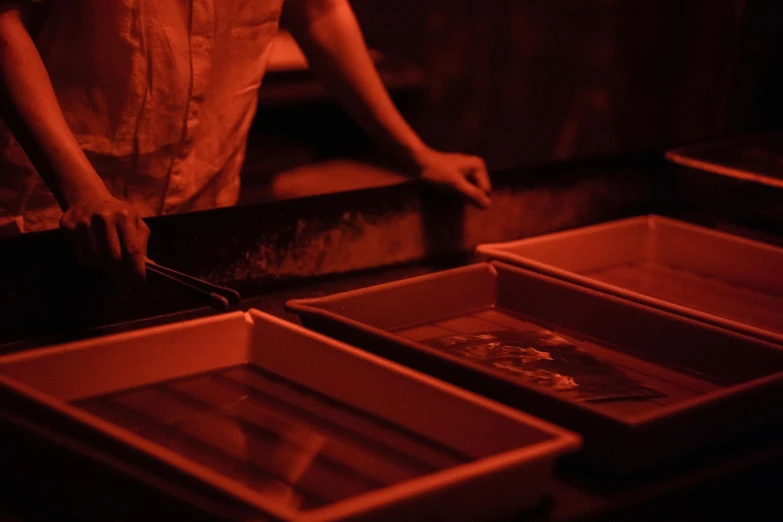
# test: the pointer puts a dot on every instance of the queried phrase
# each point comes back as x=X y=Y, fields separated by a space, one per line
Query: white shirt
x=159 y=94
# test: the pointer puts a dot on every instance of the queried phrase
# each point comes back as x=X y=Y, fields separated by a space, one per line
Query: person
x=116 y=110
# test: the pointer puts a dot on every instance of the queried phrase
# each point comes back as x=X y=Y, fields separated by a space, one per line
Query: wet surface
x=291 y=444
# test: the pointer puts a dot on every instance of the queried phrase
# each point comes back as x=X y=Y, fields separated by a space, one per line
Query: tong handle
x=220 y=297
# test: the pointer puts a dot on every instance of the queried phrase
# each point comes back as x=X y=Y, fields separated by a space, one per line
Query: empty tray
x=639 y=384
x=707 y=275
x=288 y=423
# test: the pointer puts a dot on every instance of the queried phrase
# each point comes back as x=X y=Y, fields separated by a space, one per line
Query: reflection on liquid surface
x=290 y=443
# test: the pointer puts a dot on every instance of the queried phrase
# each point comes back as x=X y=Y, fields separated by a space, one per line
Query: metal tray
x=717 y=383
x=288 y=424
x=694 y=271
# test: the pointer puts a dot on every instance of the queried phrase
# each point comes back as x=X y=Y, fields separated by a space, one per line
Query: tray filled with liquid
x=288 y=423
x=641 y=385
x=691 y=270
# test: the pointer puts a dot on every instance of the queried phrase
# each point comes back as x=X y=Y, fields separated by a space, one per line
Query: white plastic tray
x=717 y=384
x=755 y=158
x=697 y=272
x=508 y=455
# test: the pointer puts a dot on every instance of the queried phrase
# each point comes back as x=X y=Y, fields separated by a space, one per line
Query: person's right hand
x=107 y=234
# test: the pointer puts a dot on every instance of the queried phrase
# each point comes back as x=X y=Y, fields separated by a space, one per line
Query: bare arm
x=331 y=39
x=33 y=114
x=102 y=229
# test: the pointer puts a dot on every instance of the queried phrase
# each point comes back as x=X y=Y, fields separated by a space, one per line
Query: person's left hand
x=461 y=173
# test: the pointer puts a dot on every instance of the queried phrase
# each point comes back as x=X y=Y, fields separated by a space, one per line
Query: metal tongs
x=218 y=297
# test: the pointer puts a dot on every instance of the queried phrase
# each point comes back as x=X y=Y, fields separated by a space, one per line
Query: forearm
x=331 y=39
x=31 y=111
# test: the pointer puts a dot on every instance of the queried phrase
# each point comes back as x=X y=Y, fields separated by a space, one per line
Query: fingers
x=466 y=175
x=112 y=239
x=134 y=235
x=475 y=184
x=79 y=234
x=108 y=240
x=479 y=175
x=474 y=194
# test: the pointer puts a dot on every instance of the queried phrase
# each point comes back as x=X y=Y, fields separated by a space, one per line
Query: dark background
x=528 y=82
x=525 y=81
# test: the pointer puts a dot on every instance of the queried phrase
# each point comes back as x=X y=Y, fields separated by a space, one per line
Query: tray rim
x=560 y=441
x=497 y=251
x=679 y=156
x=129 y=335
x=309 y=306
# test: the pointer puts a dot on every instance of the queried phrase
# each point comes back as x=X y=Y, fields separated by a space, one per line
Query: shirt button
x=200 y=43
